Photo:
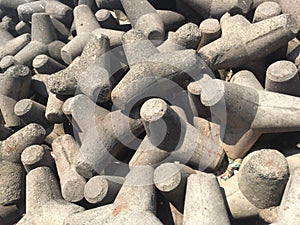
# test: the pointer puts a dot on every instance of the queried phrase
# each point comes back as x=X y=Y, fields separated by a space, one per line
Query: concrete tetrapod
x=232 y=139
x=266 y=10
x=138 y=51
x=283 y=77
x=102 y=190
x=12 y=147
x=103 y=134
x=133 y=205
x=7 y=61
x=59 y=11
x=201 y=190
x=143 y=16
x=171 y=179
x=185 y=37
x=104 y=131
x=167 y=131
x=194 y=90
x=53 y=113
x=256 y=187
x=148 y=154
x=15 y=82
x=151 y=77
x=42 y=33
x=84 y=19
x=210 y=31
x=137 y=47
x=238 y=39
x=109 y=137
x=42 y=29
x=269 y=180
x=46 y=65
x=31 y=112
x=13 y=46
x=291 y=7
x=11 y=183
x=36 y=156
x=288 y=212
x=85 y=22
x=75 y=47
x=43 y=200
x=65 y=151
x=80 y=73
x=14 y=85
x=250 y=109
x=82 y=113
x=26 y=55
